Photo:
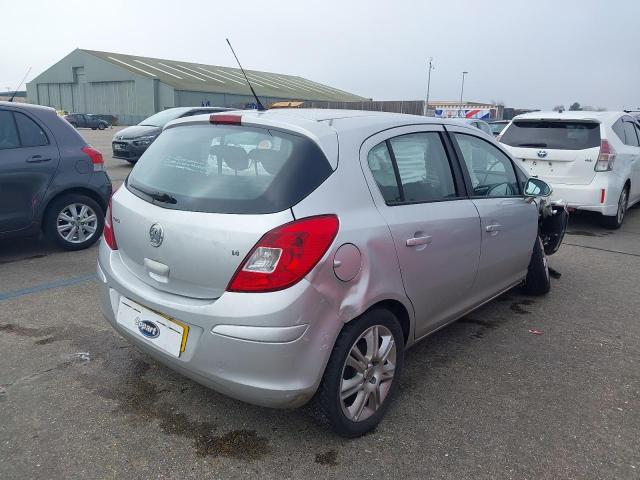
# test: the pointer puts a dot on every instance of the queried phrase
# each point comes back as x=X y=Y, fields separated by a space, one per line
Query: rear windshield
x=228 y=169
x=561 y=135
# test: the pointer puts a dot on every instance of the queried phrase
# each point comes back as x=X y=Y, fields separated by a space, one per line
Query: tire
x=101 y=126
x=74 y=125
x=615 y=221
x=342 y=414
x=57 y=227
x=93 y=128
x=538 y=281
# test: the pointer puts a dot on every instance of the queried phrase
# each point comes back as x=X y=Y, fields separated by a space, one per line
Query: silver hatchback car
x=284 y=255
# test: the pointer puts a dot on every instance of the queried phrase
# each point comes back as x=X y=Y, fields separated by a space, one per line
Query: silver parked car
x=281 y=255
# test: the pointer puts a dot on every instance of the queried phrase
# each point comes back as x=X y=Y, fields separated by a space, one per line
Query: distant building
x=133 y=88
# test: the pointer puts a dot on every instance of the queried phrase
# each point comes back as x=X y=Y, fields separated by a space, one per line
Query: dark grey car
x=51 y=180
x=86 y=120
x=130 y=143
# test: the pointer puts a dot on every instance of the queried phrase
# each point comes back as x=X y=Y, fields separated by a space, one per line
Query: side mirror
x=537 y=188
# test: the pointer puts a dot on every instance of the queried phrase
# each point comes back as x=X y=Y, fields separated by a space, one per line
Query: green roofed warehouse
x=133 y=88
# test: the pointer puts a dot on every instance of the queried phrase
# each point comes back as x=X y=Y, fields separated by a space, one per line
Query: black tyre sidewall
x=538 y=281
x=328 y=396
x=54 y=209
x=611 y=222
x=101 y=126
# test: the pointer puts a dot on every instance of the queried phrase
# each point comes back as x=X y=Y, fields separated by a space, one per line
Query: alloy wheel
x=367 y=373
x=77 y=223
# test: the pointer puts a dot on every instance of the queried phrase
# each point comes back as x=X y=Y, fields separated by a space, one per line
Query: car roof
x=26 y=106
x=572 y=115
x=320 y=122
x=325 y=125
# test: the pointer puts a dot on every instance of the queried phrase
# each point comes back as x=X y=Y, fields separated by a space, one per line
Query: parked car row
x=591 y=159
x=281 y=256
x=130 y=143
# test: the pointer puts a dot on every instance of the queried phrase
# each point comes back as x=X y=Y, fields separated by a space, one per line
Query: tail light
x=283 y=256
x=606 y=157
x=225 y=119
x=96 y=158
x=109 y=234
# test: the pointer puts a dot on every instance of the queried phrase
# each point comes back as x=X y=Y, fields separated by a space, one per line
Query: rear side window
x=412 y=168
x=8 y=132
x=31 y=135
x=423 y=166
x=618 y=128
x=561 y=135
x=381 y=167
x=630 y=134
x=229 y=169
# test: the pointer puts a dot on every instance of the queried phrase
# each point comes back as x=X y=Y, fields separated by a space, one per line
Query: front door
x=28 y=160
x=509 y=221
x=435 y=229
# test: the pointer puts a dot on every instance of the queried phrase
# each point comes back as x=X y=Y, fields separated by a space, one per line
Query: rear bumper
x=266 y=349
x=589 y=197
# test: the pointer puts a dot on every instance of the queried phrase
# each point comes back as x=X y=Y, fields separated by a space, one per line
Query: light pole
x=461 y=92
x=431 y=67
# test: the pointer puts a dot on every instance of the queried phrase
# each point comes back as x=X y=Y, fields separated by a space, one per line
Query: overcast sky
x=534 y=54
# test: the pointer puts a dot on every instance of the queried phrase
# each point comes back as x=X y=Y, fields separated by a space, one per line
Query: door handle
x=37 y=159
x=415 y=241
x=495 y=227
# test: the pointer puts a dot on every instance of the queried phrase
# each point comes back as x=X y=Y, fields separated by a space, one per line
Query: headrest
x=234 y=157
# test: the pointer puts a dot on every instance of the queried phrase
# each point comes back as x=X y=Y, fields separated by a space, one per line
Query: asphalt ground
x=482 y=398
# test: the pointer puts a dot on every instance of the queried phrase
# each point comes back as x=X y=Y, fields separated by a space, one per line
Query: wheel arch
x=401 y=313
x=75 y=190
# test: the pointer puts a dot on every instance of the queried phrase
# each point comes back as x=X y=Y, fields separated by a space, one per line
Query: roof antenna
x=19 y=85
x=258 y=102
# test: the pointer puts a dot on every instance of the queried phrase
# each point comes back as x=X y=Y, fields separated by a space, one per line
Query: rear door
x=436 y=230
x=28 y=160
x=509 y=223
x=557 y=151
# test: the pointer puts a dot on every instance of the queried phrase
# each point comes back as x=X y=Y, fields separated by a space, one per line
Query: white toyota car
x=591 y=159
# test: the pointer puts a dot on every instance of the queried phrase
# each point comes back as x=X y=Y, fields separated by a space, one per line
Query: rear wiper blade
x=156 y=195
x=539 y=145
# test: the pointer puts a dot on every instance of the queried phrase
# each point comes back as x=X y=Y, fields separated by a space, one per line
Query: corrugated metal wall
x=112 y=98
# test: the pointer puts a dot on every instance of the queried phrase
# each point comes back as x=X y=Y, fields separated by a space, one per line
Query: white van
x=591 y=159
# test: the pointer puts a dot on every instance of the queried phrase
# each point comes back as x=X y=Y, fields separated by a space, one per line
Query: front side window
x=491 y=171
x=31 y=135
x=412 y=168
x=8 y=132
